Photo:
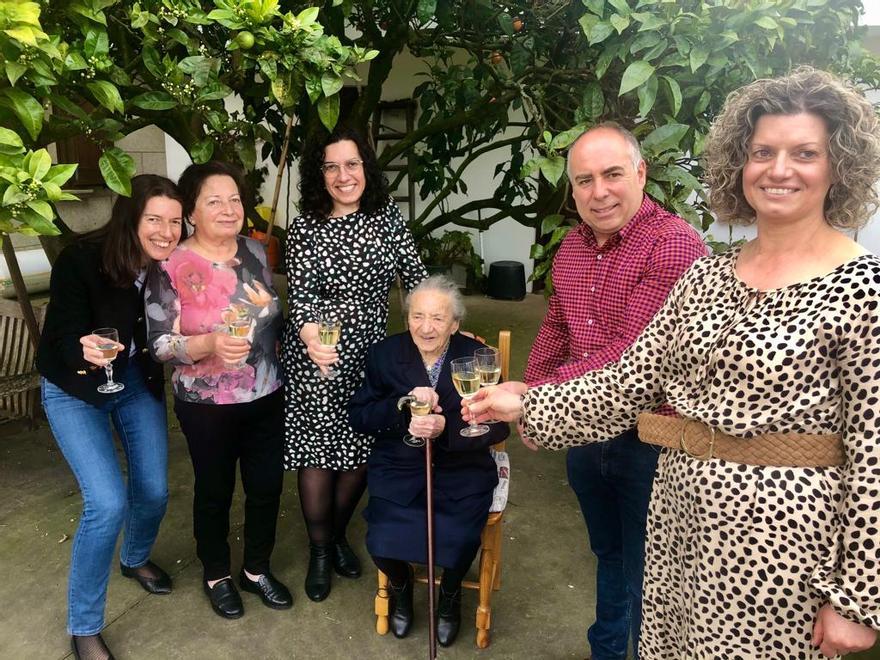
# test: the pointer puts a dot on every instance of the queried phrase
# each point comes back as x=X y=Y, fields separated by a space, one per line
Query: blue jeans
x=612 y=481
x=84 y=435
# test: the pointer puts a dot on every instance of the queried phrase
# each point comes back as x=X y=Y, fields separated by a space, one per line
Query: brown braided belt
x=771 y=449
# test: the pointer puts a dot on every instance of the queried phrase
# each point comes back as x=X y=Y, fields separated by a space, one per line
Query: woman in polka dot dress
x=343 y=254
x=779 y=336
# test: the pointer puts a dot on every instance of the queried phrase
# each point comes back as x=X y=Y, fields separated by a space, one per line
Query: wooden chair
x=490 y=549
x=19 y=380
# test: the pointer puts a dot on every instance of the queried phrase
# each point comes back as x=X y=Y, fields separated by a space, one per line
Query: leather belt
x=703 y=442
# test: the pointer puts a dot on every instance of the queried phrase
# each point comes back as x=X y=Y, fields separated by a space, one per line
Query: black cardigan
x=82 y=300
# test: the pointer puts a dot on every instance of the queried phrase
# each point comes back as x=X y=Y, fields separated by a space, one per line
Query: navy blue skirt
x=400 y=532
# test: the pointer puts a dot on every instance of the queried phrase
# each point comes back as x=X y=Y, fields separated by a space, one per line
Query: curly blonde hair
x=853 y=145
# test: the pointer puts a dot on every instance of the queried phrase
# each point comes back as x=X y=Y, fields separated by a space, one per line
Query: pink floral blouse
x=189 y=295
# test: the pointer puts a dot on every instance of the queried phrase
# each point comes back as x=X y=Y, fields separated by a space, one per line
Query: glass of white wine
x=329 y=329
x=108 y=344
x=488 y=361
x=240 y=327
x=418 y=408
x=467 y=383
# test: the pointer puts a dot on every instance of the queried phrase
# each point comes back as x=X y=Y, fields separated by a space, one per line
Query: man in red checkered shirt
x=610 y=276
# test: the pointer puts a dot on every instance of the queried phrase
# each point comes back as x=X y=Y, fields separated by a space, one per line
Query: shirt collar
x=647 y=209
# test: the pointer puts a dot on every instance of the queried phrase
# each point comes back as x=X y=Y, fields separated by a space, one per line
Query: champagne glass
x=488 y=362
x=467 y=383
x=329 y=329
x=418 y=408
x=240 y=326
x=108 y=344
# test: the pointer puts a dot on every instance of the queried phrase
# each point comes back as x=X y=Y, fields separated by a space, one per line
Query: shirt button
x=589 y=321
x=145 y=350
x=598 y=257
x=140 y=319
x=592 y=289
x=586 y=355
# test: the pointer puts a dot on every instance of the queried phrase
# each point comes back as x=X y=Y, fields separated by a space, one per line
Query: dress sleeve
x=604 y=403
x=847 y=577
x=163 y=318
x=303 y=277
x=409 y=265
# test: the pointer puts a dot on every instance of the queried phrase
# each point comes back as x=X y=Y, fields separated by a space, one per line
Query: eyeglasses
x=350 y=166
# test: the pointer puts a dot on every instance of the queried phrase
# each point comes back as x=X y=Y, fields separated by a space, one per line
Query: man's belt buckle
x=686 y=450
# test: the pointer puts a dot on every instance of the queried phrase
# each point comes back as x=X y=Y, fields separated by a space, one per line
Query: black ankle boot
x=401 y=606
x=318 y=576
x=448 y=616
x=345 y=562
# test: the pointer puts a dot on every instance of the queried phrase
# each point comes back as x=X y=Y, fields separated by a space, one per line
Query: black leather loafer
x=448 y=616
x=401 y=607
x=345 y=562
x=224 y=598
x=318 y=575
x=270 y=590
x=160 y=584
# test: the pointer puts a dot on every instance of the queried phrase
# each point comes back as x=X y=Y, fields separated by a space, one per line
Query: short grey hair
x=635 y=151
x=439 y=284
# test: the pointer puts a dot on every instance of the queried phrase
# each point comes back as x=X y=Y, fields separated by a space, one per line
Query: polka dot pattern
x=345 y=265
x=740 y=558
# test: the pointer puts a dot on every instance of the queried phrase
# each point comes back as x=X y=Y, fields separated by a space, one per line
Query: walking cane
x=429 y=496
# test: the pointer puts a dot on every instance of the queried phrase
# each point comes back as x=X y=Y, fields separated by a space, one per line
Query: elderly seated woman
x=417 y=363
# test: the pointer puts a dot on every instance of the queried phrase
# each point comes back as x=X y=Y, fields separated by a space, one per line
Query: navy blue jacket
x=396 y=472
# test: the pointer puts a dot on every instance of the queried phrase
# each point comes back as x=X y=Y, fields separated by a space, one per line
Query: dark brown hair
x=193 y=177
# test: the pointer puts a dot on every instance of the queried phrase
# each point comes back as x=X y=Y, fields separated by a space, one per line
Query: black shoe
x=90 y=647
x=345 y=562
x=271 y=591
x=318 y=576
x=448 y=616
x=401 y=607
x=225 y=599
x=152 y=578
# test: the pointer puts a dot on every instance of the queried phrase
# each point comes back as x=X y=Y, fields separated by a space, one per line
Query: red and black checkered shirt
x=603 y=297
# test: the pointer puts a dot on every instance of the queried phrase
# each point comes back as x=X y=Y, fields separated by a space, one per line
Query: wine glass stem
x=108 y=369
x=471 y=420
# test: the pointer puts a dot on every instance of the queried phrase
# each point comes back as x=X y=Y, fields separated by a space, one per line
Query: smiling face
x=347 y=182
x=606 y=187
x=218 y=212
x=430 y=322
x=159 y=227
x=788 y=173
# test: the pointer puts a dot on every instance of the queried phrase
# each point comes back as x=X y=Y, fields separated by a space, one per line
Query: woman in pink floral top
x=213 y=314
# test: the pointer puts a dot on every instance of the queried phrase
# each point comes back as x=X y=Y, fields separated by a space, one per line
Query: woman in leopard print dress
x=780 y=335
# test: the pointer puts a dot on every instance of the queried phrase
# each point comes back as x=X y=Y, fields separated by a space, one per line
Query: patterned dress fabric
x=740 y=558
x=190 y=295
x=343 y=265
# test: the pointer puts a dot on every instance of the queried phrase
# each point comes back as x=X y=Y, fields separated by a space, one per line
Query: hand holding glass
x=467 y=383
x=109 y=347
x=329 y=329
x=417 y=408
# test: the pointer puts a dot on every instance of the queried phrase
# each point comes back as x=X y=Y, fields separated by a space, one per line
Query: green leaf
x=199 y=67
x=247 y=153
x=14 y=71
x=648 y=21
x=621 y=6
x=313 y=88
x=698 y=56
x=587 y=21
x=647 y=96
x=153 y=62
x=13 y=195
x=506 y=23
x=664 y=138
x=41 y=207
x=593 y=101
x=213 y=92
x=565 y=138
x=552 y=168
x=328 y=111
x=154 y=101
x=96 y=43
x=595 y=6
x=39 y=163
x=767 y=23
x=331 y=83
x=551 y=222
x=619 y=22
x=27 y=109
x=10 y=142
x=702 y=102
x=202 y=151
x=530 y=168
x=603 y=62
x=37 y=222
x=600 y=32
x=655 y=191
x=636 y=74
x=674 y=94
x=107 y=95
x=117 y=168
x=308 y=16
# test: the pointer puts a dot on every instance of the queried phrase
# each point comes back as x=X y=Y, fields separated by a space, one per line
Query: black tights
x=398 y=573
x=328 y=499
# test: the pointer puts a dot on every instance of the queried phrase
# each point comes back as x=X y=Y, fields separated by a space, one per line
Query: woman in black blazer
x=97 y=282
x=417 y=362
